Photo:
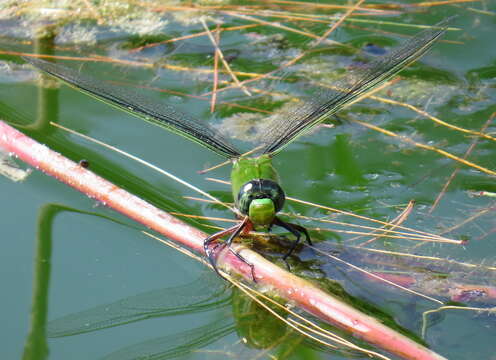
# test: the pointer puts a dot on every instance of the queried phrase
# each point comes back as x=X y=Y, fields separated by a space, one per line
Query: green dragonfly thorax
x=256 y=190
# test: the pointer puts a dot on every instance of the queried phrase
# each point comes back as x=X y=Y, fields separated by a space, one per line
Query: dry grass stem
x=147 y=164
x=94 y=12
x=216 y=71
x=433 y=118
x=327 y=6
x=377 y=277
x=226 y=163
x=387 y=233
x=300 y=322
x=428 y=258
x=193 y=36
x=297 y=324
x=451 y=307
x=372 y=30
x=421 y=4
x=201 y=217
x=411 y=234
x=395 y=222
x=319 y=39
x=469 y=219
x=339 y=22
x=467 y=154
x=343 y=212
x=427 y=147
x=218 y=51
x=276 y=25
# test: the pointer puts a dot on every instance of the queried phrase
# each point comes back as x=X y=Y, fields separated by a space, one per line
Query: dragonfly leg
x=235 y=253
x=211 y=252
x=296 y=230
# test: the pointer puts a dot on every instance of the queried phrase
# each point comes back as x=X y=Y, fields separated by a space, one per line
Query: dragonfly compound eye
x=260 y=189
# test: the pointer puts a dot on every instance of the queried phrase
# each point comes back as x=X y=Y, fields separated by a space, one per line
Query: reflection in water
x=257 y=330
x=36 y=347
x=179 y=344
x=202 y=294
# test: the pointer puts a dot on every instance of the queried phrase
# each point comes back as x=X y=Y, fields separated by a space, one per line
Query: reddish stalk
x=455 y=291
x=301 y=292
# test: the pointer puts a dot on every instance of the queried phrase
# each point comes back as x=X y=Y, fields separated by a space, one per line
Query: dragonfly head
x=260 y=199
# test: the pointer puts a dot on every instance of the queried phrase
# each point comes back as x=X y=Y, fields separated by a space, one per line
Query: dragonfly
x=255 y=183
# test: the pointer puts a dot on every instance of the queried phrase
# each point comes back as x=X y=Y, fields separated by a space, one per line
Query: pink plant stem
x=294 y=289
x=454 y=290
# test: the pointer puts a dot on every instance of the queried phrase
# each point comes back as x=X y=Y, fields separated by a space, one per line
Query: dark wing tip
x=159 y=114
x=357 y=82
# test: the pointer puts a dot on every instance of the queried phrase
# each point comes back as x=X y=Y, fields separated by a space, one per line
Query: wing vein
x=304 y=115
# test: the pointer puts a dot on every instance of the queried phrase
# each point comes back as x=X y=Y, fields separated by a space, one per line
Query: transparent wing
x=132 y=102
x=306 y=114
x=183 y=344
x=200 y=295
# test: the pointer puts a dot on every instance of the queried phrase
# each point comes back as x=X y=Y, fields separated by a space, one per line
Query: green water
x=98 y=257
